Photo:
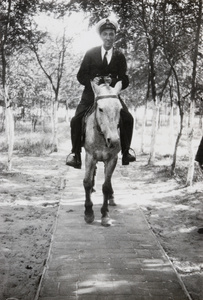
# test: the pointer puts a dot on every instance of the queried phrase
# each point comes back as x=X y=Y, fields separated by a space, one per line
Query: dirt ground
x=29 y=199
x=174 y=213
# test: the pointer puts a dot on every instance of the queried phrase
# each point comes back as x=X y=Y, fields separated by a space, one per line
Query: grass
x=37 y=143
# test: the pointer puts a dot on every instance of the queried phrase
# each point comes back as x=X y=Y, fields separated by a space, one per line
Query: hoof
x=106 y=221
x=112 y=202
x=89 y=218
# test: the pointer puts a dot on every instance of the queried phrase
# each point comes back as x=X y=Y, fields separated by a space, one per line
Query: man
x=199 y=154
x=101 y=64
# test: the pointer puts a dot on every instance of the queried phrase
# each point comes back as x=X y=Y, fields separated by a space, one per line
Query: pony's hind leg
x=88 y=183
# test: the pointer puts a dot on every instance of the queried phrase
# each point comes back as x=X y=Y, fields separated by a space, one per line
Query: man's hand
x=96 y=80
x=107 y=79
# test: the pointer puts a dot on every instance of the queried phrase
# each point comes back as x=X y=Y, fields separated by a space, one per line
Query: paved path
x=90 y=262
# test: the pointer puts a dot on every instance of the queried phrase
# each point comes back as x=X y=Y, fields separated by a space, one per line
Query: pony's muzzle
x=112 y=142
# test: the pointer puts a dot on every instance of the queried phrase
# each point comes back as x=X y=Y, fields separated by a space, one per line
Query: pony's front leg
x=88 y=182
x=107 y=191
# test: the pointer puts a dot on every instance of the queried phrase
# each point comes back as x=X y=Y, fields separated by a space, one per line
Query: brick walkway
x=90 y=262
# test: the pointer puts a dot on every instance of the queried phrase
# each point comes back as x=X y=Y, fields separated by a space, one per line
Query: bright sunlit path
x=76 y=26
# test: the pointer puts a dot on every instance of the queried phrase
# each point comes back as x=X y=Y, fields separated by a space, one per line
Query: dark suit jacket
x=92 y=67
x=199 y=154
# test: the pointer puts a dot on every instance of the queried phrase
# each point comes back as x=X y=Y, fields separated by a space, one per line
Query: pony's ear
x=118 y=87
x=95 y=87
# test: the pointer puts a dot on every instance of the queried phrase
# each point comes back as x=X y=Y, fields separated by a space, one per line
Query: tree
x=6 y=18
x=52 y=65
x=28 y=89
x=175 y=48
x=15 y=20
x=193 y=92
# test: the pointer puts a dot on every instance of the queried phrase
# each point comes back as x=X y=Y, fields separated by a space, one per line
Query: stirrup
x=131 y=150
x=128 y=157
x=73 y=161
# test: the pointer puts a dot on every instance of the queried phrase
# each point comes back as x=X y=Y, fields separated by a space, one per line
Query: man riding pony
x=103 y=64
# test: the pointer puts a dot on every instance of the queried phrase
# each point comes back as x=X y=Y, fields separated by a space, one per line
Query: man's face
x=108 y=37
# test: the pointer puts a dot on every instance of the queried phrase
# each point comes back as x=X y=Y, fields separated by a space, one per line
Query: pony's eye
x=100 y=109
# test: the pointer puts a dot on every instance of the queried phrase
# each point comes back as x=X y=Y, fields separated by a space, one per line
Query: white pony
x=102 y=143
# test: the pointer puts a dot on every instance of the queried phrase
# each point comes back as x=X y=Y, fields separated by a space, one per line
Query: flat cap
x=107 y=23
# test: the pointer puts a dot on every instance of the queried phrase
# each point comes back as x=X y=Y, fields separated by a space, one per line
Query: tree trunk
x=193 y=93
x=200 y=121
x=155 y=120
x=10 y=136
x=190 y=173
x=8 y=111
x=54 y=126
x=143 y=128
x=173 y=165
x=9 y=128
x=67 y=112
x=171 y=129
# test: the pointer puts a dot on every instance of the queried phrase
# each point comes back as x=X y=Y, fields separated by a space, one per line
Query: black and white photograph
x=101 y=149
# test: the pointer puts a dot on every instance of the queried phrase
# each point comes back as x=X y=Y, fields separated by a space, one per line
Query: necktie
x=105 y=63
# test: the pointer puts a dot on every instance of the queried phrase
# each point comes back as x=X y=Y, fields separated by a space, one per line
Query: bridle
x=105 y=97
x=99 y=98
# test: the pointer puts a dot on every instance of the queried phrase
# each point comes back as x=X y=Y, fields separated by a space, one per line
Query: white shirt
x=109 y=54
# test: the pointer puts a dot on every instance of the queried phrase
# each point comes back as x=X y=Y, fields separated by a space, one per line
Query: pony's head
x=107 y=112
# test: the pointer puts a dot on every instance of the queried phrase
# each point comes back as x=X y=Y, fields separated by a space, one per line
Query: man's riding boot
x=74 y=160
x=127 y=158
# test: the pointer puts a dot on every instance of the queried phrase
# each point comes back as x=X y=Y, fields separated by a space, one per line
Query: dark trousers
x=126 y=128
